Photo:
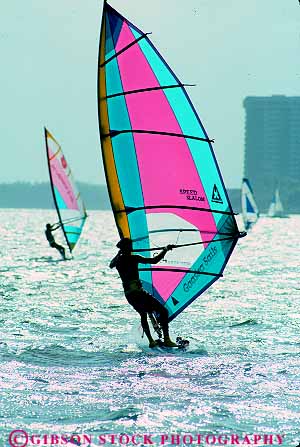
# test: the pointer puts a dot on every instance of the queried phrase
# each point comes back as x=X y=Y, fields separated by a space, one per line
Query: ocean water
x=71 y=363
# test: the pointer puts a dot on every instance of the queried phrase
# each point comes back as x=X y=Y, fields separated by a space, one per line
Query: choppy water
x=69 y=363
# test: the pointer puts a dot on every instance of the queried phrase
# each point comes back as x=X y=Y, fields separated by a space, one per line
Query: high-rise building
x=272 y=148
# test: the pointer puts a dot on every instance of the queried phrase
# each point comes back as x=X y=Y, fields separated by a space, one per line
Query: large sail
x=68 y=202
x=163 y=180
x=249 y=208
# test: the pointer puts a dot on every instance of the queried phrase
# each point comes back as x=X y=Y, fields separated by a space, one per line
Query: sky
x=48 y=73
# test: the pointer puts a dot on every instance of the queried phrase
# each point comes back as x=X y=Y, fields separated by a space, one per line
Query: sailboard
x=249 y=207
x=163 y=180
x=67 y=199
x=276 y=208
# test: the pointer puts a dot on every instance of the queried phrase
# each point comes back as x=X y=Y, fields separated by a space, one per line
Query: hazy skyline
x=48 y=74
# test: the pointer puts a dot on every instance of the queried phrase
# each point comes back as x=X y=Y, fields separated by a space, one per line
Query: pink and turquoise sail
x=67 y=199
x=163 y=180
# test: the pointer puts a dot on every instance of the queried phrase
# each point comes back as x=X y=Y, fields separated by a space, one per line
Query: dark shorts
x=143 y=302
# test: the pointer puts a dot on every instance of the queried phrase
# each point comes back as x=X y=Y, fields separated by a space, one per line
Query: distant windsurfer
x=127 y=265
x=51 y=240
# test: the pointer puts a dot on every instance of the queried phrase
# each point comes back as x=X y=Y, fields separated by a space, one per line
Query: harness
x=132 y=286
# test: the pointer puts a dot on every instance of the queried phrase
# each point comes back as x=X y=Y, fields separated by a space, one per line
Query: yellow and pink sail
x=67 y=199
x=163 y=180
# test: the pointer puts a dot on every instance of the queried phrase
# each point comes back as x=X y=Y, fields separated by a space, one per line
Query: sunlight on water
x=70 y=361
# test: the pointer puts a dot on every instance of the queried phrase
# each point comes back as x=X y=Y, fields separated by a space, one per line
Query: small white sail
x=276 y=208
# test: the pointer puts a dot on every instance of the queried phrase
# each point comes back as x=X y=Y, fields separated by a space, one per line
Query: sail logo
x=216 y=197
x=192 y=194
x=213 y=251
x=174 y=301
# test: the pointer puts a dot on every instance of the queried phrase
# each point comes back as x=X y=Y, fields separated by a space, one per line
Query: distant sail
x=163 y=180
x=276 y=208
x=68 y=202
x=249 y=208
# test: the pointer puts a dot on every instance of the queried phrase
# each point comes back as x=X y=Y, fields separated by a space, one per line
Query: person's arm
x=114 y=261
x=155 y=259
x=55 y=227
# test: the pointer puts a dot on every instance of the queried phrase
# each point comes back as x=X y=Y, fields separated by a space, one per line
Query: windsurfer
x=51 y=240
x=127 y=265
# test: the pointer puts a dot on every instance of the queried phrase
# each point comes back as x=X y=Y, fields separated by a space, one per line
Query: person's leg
x=60 y=248
x=137 y=301
x=163 y=318
x=146 y=329
x=62 y=251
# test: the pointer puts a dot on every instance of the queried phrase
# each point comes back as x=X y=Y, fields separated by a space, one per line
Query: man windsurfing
x=51 y=240
x=127 y=265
